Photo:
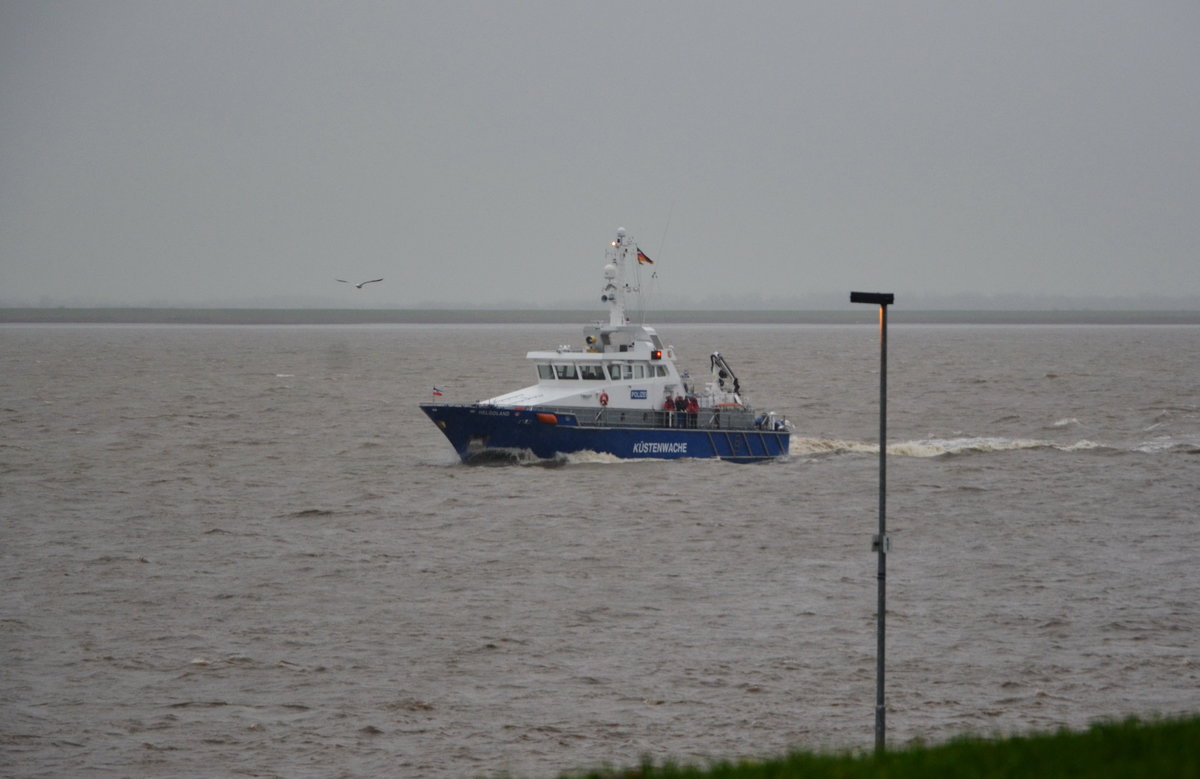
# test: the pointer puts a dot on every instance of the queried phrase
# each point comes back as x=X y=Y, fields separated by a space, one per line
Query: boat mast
x=615 y=287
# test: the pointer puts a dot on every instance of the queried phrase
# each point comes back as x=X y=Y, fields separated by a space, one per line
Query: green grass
x=1132 y=748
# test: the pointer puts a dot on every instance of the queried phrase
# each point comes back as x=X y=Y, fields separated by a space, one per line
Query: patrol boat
x=620 y=393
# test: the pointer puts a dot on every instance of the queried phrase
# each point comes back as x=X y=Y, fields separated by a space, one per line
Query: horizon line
x=200 y=315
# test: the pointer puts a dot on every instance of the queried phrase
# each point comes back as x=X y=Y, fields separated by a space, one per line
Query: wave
x=953 y=446
x=525 y=457
x=818 y=447
x=590 y=458
x=500 y=457
x=933 y=447
x=1167 y=443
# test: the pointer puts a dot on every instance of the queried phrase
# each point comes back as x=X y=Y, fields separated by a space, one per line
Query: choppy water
x=244 y=550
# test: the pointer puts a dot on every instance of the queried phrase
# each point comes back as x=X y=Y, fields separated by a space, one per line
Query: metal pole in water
x=880 y=543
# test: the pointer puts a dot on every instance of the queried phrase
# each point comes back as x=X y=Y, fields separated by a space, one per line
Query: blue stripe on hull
x=474 y=429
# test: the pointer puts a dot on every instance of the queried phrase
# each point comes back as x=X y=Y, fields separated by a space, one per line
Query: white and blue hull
x=478 y=431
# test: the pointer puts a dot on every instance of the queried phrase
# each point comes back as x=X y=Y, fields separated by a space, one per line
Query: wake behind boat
x=620 y=393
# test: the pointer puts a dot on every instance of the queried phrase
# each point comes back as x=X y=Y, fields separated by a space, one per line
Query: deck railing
x=728 y=418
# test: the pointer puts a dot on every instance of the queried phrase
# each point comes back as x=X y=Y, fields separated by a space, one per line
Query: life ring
x=603 y=398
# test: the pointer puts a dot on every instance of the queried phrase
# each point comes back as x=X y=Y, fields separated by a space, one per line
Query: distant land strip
x=316 y=316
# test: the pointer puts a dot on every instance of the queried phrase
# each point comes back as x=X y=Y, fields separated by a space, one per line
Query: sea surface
x=244 y=551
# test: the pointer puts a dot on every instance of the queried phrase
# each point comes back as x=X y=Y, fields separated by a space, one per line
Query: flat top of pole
x=878 y=298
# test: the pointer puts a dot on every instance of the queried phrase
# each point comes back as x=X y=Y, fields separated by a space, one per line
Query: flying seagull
x=358 y=286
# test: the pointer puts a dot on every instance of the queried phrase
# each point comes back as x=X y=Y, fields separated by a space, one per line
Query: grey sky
x=484 y=152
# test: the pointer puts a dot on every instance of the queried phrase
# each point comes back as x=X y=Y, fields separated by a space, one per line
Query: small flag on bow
x=437 y=393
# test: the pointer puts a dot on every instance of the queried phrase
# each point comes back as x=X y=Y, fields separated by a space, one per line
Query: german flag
x=643 y=259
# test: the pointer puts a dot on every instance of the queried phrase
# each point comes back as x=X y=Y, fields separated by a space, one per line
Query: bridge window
x=591 y=371
x=565 y=371
x=545 y=371
x=620 y=371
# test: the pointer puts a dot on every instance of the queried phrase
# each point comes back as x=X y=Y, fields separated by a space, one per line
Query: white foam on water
x=933 y=447
x=819 y=446
x=1166 y=443
x=590 y=457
